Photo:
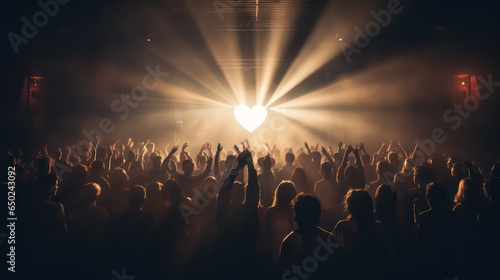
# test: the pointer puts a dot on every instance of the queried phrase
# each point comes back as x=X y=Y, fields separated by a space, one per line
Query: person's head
x=118 y=179
x=359 y=205
x=436 y=195
x=210 y=186
x=44 y=165
x=188 y=166
x=316 y=156
x=350 y=173
x=136 y=197
x=131 y=156
x=469 y=192
x=289 y=158
x=78 y=177
x=237 y=193
x=157 y=162
x=326 y=170
x=393 y=158
x=385 y=198
x=45 y=186
x=492 y=190
x=307 y=209
x=97 y=168
x=153 y=193
x=89 y=194
x=337 y=157
x=172 y=192
x=459 y=171
x=437 y=163
x=101 y=154
x=423 y=175
x=382 y=167
x=266 y=162
x=118 y=162
x=202 y=160
x=299 y=177
x=136 y=168
x=284 y=194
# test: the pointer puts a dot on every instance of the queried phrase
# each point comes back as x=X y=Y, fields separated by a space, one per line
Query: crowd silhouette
x=247 y=212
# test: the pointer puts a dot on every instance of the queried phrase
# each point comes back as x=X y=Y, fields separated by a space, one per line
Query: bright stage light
x=250 y=119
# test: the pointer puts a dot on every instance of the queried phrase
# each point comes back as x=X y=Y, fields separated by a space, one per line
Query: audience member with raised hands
x=238 y=225
x=267 y=180
x=351 y=177
x=186 y=180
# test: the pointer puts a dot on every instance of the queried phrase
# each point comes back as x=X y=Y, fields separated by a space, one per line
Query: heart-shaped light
x=250 y=119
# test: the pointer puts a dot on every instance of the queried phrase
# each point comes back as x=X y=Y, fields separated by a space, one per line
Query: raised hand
x=59 y=154
x=268 y=147
x=184 y=146
x=267 y=160
x=244 y=158
x=349 y=149
x=324 y=151
x=237 y=149
x=219 y=148
x=247 y=156
x=174 y=149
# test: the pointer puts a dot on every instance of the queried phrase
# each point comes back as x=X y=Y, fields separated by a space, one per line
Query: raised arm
x=165 y=166
x=359 y=166
x=402 y=149
x=253 y=190
x=374 y=158
x=208 y=168
x=327 y=155
x=94 y=149
x=223 y=199
x=216 y=163
x=340 y=171
x=307 y=148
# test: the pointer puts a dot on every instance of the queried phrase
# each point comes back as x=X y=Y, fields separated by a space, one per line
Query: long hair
x=284 y=194
x=172 y=192
x=469 y=192
x=359 y=206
